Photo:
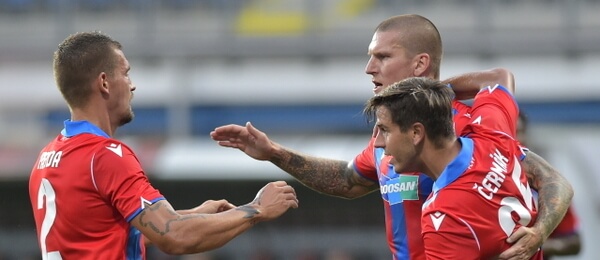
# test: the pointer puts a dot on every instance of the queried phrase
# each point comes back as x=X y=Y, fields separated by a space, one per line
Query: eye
x=382 y=56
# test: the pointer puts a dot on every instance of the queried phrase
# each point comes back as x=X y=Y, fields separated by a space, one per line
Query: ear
x=421 y=64
x=102 y=83
x=418 y=133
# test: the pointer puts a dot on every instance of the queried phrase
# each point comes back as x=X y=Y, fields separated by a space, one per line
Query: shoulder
x=114 y=152
x=113 y=146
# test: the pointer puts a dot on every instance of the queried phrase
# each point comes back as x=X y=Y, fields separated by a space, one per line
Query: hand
x=528 y=242
x=248 y=139
x=213 y=206
x=274 y=199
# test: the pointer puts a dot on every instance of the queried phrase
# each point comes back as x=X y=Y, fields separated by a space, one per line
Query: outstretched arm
x=555 y=194
x=333 y=177
x=175 y=233
x=466 y=86
x=208 y=207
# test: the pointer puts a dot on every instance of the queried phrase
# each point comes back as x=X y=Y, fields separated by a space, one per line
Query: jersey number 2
x=46 y=190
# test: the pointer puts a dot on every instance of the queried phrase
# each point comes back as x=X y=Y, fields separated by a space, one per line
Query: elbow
x=351 y=196
x=504 y=77
x=356 y=193
x=571 y=191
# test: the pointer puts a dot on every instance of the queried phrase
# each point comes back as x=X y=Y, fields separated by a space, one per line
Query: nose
x=379 y=140
x=370 y=68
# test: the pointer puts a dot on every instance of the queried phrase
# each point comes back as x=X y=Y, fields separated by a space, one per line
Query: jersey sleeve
x=120 y=180
x=496 y=108
x=461 y=115
x=364 y=163
x=448 y=238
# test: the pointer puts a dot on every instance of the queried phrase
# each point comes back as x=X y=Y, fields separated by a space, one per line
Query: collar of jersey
x=457 y=166
x=73 y=128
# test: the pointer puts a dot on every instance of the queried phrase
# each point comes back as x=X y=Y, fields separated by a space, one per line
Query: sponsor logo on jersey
x=436 y=219
x=404 y=187
x=145 y=202
x=116 y=149
x=491 y=89
x=477 y=120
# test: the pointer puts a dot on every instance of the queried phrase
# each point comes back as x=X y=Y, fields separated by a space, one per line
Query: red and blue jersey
x=85 y=188
x=482 y=196
x=403 y=194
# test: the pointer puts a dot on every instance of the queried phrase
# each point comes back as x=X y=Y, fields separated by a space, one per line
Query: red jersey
x=84 y=188
x=482 y=196
x=403 y=194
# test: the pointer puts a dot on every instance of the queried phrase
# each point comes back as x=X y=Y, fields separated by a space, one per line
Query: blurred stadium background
x=296 y=70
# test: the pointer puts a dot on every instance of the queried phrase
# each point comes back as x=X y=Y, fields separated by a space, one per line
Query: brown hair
x=79 y=59
x=417 y=100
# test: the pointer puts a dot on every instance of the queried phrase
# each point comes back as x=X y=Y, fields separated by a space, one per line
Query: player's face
x=121 y=91
x=396 y=143
x=388 y=62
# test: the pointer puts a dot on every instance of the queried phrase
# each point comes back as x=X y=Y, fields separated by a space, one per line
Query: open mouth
x=377 y=87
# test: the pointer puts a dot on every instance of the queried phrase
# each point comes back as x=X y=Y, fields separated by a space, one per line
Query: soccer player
x=481 y=194
x=402 y=46
x=90 y=196
x=565 y=240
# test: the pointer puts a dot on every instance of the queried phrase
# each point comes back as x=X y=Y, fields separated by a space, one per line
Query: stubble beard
x=127 y=118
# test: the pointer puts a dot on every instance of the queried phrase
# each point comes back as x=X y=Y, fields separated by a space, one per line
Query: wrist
x=251 y=212
x=541 y=229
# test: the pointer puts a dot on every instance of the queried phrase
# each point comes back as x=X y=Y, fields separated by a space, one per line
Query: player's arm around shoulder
x=175 y=233
x=555 y=191
x=466 y=86
x=555 y=194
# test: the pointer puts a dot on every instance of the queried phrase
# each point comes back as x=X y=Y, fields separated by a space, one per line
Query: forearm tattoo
x=323 y=175
x=555 y=192
x=164 y=228
x=250 y=211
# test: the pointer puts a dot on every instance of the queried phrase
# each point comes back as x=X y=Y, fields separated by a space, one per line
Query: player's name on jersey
x=493 y=181
x=49 y=159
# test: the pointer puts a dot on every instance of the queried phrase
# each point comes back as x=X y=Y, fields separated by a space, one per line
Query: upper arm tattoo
x=554 y=191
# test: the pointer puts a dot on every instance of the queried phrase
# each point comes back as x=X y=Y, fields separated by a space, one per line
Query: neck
x=92 y=114
x=436 y=159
